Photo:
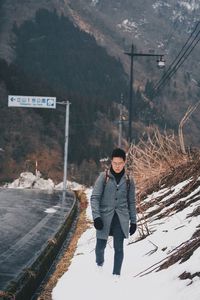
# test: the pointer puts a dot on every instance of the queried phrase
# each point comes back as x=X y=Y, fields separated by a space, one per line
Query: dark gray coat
x=114 y=200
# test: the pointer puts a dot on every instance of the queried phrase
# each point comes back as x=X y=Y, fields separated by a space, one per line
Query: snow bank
x=70 y=185
x=143 y=256
x=28 y=180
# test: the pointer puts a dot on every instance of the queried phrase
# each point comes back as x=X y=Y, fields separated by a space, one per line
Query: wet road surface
x=28 y=219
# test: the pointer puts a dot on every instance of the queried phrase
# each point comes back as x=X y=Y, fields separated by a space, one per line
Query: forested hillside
x=55 y=58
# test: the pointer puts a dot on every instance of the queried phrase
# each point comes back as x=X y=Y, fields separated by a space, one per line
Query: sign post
x=67 y=103
x=45 y=102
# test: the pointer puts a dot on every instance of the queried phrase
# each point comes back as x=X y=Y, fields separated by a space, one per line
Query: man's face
x=117 y=164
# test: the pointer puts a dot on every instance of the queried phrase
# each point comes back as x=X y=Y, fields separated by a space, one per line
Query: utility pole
x=66 y=103
x=120 y=123
x=36 y=168
x=161 y=64
x=131 y=54
x=66 y=146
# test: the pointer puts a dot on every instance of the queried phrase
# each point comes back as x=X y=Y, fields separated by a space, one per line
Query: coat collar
x=123 y=179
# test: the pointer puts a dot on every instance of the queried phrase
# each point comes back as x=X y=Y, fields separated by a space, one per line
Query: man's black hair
x=119 y=153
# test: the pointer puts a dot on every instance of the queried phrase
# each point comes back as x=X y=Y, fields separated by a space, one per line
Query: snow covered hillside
x=162 y=260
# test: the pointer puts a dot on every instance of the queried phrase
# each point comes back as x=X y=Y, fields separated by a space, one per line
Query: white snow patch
x=50 y=210
x=174 y=191
x=128 y=26
x=159 y=4
x=25 y=180
x=28 y=180
x=41 y=183
x=160 y=44
x=190 y=5
x=70 y=185
x=94 y=2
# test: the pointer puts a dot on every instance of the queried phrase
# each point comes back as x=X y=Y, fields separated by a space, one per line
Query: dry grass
x=149 y=162
x=65 y=262
x=183 y=253
x=154 y=157
x=156 y=162
x=7 y=295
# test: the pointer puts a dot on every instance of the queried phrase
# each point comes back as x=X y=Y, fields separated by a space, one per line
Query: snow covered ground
x=84 y=281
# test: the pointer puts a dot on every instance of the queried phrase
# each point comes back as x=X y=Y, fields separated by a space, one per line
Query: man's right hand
x=98 y=223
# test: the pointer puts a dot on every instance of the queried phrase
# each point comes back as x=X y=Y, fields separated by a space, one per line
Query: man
x=113 y=206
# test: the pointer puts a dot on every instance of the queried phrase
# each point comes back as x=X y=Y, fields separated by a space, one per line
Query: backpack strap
x=107 y=176
x=128 y=184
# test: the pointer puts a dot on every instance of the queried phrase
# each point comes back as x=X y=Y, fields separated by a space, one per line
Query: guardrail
x=26 y=284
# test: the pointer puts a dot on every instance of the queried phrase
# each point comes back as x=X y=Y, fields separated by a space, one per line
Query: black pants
x=118 y=241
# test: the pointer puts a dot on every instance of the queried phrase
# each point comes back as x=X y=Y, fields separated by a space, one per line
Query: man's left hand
x=132 y=228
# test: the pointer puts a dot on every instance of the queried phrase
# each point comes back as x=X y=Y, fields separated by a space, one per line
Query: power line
x=174 y=66
x=174 y=61
x=185 y=58
x=177 y=66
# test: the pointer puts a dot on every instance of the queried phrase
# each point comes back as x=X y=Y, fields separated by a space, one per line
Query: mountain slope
x=159 y=27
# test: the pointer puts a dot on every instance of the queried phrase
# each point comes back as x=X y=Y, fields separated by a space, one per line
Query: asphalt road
x=28 y=219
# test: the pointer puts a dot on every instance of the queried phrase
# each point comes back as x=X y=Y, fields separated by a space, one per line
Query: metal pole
x=120 y=124
x=131 y=95
x=131 y=54
x=36 y=168
x=66 y=146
